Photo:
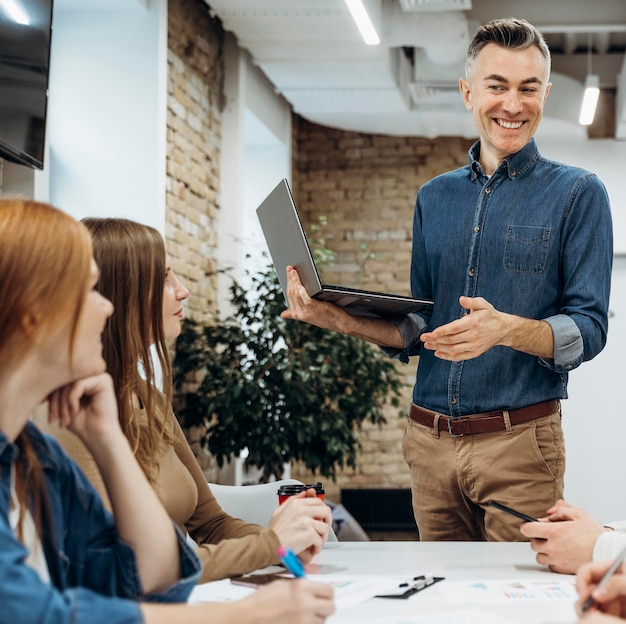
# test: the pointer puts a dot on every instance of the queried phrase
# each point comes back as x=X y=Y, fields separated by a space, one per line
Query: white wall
x=267 y=156
x=607 y=159
x=594 y=419
x=256 y=154
x=266 y=162
x=232 y=175
x=107 y=108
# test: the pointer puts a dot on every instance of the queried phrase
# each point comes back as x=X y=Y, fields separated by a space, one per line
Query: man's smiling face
x=506 y=90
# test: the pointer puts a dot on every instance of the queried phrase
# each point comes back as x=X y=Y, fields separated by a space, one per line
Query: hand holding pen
x=603 y=587
x=565 y=538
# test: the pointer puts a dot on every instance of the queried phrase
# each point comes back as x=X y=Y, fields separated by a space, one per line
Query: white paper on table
x=457 y=616
x=511 y=591
x=219 y=591
x=352 y=589
x=349 y=590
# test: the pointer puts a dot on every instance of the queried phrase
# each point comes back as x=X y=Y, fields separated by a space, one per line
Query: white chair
x=253 y=503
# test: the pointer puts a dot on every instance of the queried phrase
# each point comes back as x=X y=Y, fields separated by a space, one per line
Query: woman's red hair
x=45 y=264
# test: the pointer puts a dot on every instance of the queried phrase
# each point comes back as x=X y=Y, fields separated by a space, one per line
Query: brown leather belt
x=482 y=423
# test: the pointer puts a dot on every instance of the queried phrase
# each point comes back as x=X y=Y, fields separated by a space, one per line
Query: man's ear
x=545 y=95
x=464 y=88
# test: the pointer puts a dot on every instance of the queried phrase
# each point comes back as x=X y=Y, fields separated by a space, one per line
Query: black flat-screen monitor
x=25 y=34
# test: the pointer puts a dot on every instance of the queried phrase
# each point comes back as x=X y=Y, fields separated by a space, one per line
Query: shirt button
x=488 y=190
x=453 y=400
x=476 y=230
x=513 y=173
x=472 y=272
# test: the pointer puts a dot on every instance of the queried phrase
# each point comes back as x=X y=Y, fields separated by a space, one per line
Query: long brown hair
x=131 y=258
x=45 y=259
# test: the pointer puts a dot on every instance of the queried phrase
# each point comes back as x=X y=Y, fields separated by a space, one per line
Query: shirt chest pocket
x=526 y=248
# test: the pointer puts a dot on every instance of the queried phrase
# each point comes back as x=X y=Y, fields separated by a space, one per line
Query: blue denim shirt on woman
x=535 y=240
x=93 y=574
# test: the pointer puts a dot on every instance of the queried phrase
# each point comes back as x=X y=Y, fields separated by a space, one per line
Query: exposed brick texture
x=194 y=113
x=195 y=103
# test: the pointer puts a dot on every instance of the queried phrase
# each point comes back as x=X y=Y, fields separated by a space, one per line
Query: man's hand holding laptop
x=330 y=316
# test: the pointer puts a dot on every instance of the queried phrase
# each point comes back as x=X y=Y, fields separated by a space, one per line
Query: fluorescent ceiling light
x=590 y=100
x=363 y=22
x=15 y=12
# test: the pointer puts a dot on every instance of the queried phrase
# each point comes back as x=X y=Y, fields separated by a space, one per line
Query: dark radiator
x=380 y=509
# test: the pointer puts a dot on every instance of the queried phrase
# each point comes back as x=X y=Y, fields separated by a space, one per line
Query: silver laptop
x=288 y=246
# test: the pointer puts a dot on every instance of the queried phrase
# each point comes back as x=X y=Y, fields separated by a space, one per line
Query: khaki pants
x=453 y=479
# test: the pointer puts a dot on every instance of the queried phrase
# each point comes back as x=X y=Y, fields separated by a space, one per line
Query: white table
x=456 y=561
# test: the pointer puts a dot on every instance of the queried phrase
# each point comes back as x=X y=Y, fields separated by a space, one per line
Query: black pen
x=517 y=514
x=607 y=575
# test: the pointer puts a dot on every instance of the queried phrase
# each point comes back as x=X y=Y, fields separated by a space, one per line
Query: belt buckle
x=452 y=434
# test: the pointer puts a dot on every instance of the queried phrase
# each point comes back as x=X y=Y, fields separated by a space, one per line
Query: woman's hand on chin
x=87 y=407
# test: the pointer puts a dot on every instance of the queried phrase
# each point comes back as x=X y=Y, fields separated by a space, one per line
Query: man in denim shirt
x=516 y=252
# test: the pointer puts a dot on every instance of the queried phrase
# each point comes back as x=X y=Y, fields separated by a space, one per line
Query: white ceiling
x=408 y=85
x=97 y=5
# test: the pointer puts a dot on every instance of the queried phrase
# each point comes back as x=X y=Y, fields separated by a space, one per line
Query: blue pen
x=291 y=562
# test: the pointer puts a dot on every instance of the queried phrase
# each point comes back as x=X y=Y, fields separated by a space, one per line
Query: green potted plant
x=286 y=390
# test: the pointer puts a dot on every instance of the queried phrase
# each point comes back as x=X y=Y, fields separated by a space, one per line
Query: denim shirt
x=93 y=574
x=535 y=240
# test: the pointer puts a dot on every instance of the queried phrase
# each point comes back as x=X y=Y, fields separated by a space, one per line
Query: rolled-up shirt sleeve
x=568 y=344
x=410 y=327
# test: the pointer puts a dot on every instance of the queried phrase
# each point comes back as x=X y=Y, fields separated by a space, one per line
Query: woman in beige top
x=135 y=275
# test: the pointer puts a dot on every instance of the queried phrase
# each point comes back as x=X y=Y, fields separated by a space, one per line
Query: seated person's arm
x=88 y=408
x=230 y=546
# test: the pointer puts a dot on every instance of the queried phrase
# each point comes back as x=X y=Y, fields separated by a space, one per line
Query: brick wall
x=195 y=104
x=194 y=112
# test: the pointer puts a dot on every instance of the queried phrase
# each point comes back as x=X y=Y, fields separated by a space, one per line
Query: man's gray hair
x=510 y=33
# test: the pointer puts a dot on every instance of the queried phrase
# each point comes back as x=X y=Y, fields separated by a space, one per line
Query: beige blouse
x=227 y=546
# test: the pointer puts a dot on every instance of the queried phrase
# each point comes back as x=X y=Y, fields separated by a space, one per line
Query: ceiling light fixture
x=591 y=94
x=15 y=12
x=363 y=22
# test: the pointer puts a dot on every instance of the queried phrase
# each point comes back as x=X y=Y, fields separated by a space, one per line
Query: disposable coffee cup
x=285 y=491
